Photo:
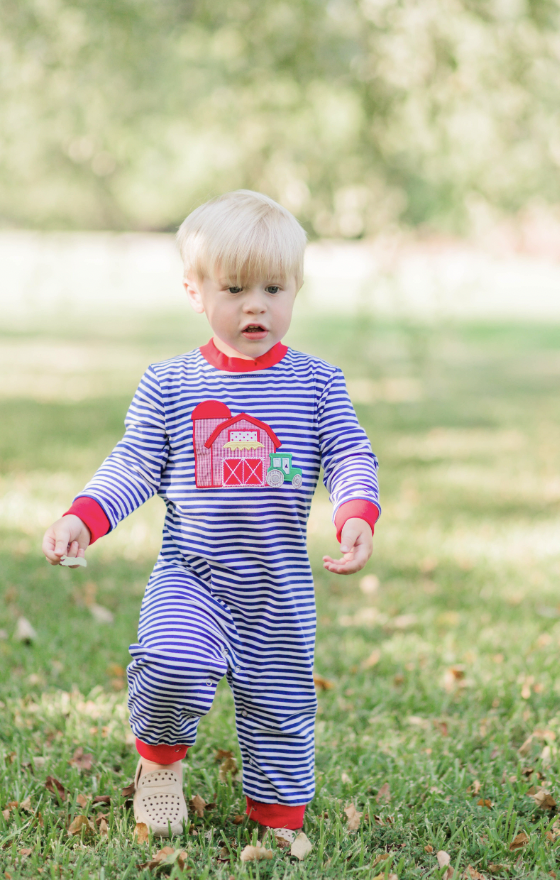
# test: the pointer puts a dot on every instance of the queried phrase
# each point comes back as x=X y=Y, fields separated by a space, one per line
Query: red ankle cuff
x=161 y=754
x=276 y=815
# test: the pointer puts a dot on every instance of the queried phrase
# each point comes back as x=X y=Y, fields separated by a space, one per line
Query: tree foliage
x=355 y=114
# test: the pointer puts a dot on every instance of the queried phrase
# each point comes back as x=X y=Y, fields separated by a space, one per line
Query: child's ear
x=193 y=293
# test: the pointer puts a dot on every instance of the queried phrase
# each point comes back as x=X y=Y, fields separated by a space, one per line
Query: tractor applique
x=232 y=451
x=281 y=469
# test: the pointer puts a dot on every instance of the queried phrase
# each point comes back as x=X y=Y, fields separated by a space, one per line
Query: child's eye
x=235 y=289
x=272 y=288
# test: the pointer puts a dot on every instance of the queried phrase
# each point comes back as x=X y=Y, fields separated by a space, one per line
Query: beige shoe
x=159 y=801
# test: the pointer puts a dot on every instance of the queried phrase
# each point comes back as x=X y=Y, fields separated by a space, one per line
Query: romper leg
x=178 y=661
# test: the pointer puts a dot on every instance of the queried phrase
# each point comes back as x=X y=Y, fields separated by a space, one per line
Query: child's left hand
x=356 y=543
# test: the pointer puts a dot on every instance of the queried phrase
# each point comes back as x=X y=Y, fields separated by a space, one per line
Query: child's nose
x=254 y=302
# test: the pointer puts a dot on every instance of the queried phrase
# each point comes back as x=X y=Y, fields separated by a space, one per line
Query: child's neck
x=229 y=351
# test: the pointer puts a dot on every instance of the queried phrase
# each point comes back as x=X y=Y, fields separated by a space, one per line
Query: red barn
x=230 y=450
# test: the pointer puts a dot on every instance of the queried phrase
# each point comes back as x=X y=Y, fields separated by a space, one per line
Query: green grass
x=468 y=559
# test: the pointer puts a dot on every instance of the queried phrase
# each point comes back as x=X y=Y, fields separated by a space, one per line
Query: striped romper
x=234 y=447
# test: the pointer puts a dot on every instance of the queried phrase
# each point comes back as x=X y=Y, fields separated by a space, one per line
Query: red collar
x=218 y=359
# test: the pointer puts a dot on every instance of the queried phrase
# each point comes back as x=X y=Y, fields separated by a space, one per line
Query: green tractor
x=281 y=469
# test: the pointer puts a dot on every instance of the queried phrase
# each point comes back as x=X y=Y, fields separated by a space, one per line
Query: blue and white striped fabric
x=232 y=590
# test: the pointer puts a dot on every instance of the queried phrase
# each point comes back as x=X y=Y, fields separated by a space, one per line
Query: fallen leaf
x=542 y=798
x=345 y=778
x=382 y=857
x=6 y=815
x=484 y=802
x=472 y=874
x=224 y=855
x=255 y=853
x=24 y=631
x=453 y=677
x=81 y=760
x=26 y=805
x=79 y=824
x=167 y=856
x=384 y=794
x=128 y=790
x=442 y=727
x=497 y=869
x=25 y=852
x=474 y=787
x=237 y=820
x=55 y=786
x=372 y=660
x=546 y=756
x=102 y=825
x=519 y=841
x=429 y=848
x=222 y=754
x=229 y=766
x=369 y=584
x=102 y=799
x=101 y=614
x=197 y=804
x=354 y=817
x=141 y=833
x=82 y=800
x=443 y=858
x=301 y=847
x=526 y=747
x=322 y=683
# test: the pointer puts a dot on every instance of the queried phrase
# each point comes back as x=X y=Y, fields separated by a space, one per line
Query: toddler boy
x=232 y=437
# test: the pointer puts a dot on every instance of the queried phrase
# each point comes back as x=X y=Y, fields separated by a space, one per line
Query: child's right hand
x=68 y=536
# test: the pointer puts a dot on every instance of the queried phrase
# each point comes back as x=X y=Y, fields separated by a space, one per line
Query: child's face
x=248 y=319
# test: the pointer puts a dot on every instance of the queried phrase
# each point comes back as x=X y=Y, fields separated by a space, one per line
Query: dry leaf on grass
x=237 y=820
x=382 y=857
x=428 y=848
x=443 y=858
x=255 y=853
x=81 y=760
x=229 y=766
x=141 y=833
x=544 y=799
x=301 y=847
x=128 y=790
x=484 y=802
x=55 y=787
x=354 y=817
x=167 y=856
x=102 y=799
x=26 y=851
x=474 y=787
x=498 y=869
x=519 y=841
x=197 y=804
x=454 y=678
x=102 y=825
x=390 y=876
x=222 y=754
x=384 y=794
x=26 y=805
x=372 y=660
x=82 y=800
x=322 y=683
x=345 y=778
x=6 y=815
x=24 y=631
x=472 y=874
x=79 y=824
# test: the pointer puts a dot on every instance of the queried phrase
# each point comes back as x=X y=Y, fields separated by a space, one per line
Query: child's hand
x=356 y=544
x=68 y=536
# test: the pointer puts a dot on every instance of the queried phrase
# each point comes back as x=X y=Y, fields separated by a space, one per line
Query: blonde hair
x=243 y=235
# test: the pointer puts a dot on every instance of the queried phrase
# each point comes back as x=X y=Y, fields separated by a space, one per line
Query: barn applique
x=233 y=451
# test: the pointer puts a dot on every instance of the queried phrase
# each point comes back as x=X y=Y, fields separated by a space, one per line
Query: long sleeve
x=350 y=467
x=131 y=474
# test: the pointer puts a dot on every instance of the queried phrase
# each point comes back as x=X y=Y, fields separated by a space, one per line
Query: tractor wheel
x=296 y=481
x=275 y=478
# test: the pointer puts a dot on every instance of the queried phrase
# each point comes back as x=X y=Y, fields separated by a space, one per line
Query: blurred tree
x=356 y=114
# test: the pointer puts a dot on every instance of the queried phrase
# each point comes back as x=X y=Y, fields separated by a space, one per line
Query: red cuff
x=92 y=514
x=276 y=815
x=358 y=508
x=162 y=754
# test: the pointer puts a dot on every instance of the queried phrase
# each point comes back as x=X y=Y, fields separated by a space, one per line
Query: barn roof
x=219 y=428
x=211 y=409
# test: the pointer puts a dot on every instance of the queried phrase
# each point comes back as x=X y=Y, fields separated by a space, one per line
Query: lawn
x=439 y=718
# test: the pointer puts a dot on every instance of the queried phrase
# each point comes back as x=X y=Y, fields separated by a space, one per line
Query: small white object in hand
x=74 y=560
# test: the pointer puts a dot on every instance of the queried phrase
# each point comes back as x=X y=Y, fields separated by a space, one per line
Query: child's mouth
x=254 y=331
